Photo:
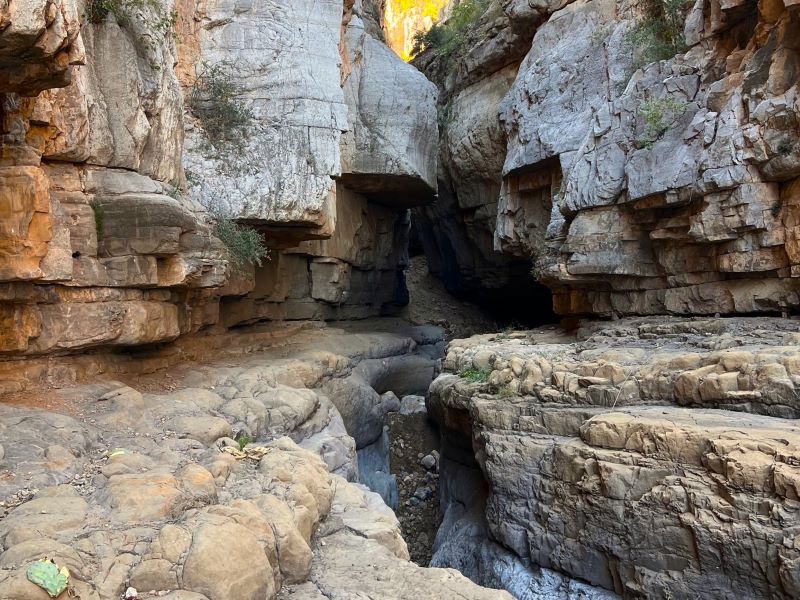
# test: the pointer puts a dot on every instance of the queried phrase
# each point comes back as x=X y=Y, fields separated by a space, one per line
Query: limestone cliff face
x=665 y=189
x=342 y=143
x=104 y=234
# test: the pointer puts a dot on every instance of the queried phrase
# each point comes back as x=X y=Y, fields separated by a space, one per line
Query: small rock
x=390 y=402
x=410 y=405
x=428 y=462
x=423 y=493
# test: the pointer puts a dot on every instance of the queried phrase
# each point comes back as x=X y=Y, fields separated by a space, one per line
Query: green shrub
x=215 y=101
x=659 y=34
x=506 y=392
x=244 y=441
x=475 y=375
x=659 y=115
x=124 y=11
x=244 y=244
x=448 y=36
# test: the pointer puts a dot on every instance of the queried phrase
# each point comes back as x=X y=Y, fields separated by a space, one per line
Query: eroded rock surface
x=107 y=176
x=150 y=490
x=628 y=189
x=642 y=459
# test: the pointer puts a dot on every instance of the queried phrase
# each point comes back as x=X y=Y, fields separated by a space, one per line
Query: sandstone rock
x=204 y=429
x=48 y=515
x=49 y=39
x=227 y=562
x=341 y=570
x=173 y=515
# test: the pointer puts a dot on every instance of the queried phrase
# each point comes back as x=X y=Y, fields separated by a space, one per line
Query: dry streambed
x=151 y=492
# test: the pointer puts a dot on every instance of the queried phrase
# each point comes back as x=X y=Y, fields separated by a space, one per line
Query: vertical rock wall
x=668 y=188
x=107 y=176
x=342 y=143
x=95 y=248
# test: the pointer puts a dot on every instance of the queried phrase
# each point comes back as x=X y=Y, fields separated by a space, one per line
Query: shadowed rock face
x=106 y=176
x=667 y=189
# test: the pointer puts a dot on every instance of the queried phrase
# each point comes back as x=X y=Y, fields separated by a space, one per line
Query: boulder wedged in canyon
x=630 y=456
x=150 y=490
x=627 y=188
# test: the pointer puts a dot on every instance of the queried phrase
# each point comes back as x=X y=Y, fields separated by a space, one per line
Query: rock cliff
x=165 y=437
x=627 y=185
x=631 y=456
x=108 y=175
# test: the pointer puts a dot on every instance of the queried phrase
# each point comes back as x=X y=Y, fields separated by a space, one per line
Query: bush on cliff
x=659 y=115
x=152 y=12
x=244 y=244
x=659 y=33
x=215 y=101
x=447 y=37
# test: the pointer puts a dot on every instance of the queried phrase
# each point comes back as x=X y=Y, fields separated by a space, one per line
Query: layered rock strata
x=105 y=237
x=339 y=147
x=644 y=468
x=93 y=249
x=669 y=188
x=150 y=490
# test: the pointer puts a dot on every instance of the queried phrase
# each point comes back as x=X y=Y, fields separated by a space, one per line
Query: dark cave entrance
x=503 y=288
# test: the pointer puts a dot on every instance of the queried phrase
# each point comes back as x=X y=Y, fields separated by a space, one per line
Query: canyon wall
x=108 y=176
x=626 y=186
x=652 y=457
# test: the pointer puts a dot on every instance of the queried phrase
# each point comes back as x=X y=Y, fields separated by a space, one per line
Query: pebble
x=423 y=493
x=429 y=462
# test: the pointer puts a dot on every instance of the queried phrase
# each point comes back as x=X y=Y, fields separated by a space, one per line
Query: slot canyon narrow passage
x=399 y=300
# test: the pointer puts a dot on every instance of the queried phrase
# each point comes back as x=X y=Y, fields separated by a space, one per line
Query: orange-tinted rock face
x=92 y=254
x=25 y=222
x=105 y=241
x=404 y=19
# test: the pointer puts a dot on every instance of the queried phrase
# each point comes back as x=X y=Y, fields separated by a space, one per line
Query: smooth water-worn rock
x=145 y=490
x=374 y=470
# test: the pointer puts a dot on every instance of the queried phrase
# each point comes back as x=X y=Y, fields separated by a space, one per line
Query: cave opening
x=516 y=299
